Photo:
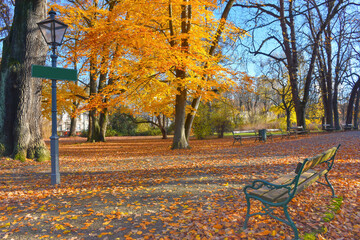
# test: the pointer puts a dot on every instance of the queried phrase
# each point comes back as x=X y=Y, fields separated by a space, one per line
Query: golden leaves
x=194 y=194
x=139 y=51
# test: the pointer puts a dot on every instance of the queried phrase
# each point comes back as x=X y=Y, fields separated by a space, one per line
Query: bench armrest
x=262 y=183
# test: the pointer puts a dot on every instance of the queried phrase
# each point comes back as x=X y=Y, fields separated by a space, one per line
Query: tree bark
x=349 y=112
x=94 y=128
x=72 y=132
x=356 y=110
x=20 y=108
x=180 y=141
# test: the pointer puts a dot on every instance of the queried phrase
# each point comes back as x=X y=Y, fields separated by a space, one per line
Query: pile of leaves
x=138 y=188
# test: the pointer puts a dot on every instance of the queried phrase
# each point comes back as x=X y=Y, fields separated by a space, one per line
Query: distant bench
x=297 y=130
x=276 y=132
x=239 y=135
x=270 y=133
x=280 y=192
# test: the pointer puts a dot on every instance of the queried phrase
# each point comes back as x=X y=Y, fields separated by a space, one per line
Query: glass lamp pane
x=59 y=34
x=46 y=31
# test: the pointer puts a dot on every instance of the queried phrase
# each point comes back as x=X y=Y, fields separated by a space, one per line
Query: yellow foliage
x=140 y=46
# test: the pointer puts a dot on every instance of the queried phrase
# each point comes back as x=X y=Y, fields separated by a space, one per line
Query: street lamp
x=53 y=32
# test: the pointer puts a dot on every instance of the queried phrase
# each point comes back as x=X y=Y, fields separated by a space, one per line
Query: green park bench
x=281 y=191
x=240 y=135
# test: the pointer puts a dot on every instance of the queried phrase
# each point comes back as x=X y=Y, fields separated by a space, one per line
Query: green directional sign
x=53 y=73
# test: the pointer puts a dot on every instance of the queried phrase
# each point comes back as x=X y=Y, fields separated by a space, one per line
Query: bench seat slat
x=281 y=194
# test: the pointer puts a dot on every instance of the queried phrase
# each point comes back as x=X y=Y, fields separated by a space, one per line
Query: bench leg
x=237 y=139
x=291 y=223
x=247 y=213
x=331 y=187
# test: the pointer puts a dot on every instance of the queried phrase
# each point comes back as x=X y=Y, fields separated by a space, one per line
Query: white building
x=63 y=124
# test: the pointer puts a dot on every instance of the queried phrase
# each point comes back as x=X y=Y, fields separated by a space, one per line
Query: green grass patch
x=329 y=215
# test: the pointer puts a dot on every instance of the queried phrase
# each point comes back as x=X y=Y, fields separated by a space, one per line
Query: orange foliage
x=131 y=41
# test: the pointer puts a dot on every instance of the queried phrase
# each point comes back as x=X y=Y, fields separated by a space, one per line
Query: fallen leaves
x=152 y=192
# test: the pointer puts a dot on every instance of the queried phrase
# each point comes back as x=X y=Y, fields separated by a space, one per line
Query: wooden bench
x=297 y=130
x=280 y=192
x=239 y=135
x=279 y=132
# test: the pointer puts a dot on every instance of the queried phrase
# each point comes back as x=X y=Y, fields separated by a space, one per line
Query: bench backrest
x=297 y=128
x=310 y=163
x=326 y=157
x=274 y=130
x=244 y=131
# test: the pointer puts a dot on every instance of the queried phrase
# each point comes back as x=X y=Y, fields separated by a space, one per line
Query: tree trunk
x=335 y=107
x=162 y=125
x=94 y=127
x=103 y=125
x=180 y=141
x=191 y=116
x=72 y=132
x=356 y=111
x=103 y=120
x=349 y=112
x=20 y=94
x=164 y=133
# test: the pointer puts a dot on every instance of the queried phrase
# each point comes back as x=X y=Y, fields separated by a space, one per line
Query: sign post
x=53 y=32
x=54 y=74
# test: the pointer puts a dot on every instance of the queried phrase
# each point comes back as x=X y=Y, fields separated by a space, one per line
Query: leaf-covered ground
x=137 y=188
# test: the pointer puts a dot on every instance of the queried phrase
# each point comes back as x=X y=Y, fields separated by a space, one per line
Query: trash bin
x=262 y=135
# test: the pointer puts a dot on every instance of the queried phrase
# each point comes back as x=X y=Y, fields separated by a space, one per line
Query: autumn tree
x=20 y=94
x=282 y=41
x=161 y=55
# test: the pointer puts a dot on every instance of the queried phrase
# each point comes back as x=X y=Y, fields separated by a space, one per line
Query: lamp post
x=53 y=32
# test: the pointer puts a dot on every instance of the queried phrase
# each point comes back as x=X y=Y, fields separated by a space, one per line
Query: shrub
x=112 y=132
x=144 y=129
x=202 y=123
x=122 y=124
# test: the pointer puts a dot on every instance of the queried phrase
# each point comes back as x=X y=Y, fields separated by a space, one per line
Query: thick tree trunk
x=20 y=108
x=179 y=141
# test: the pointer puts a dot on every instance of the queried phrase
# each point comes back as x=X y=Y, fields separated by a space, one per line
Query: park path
x=137 y=188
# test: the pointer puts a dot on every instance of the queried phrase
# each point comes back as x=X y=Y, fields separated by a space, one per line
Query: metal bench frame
x=238 y=138
x=273 y=194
